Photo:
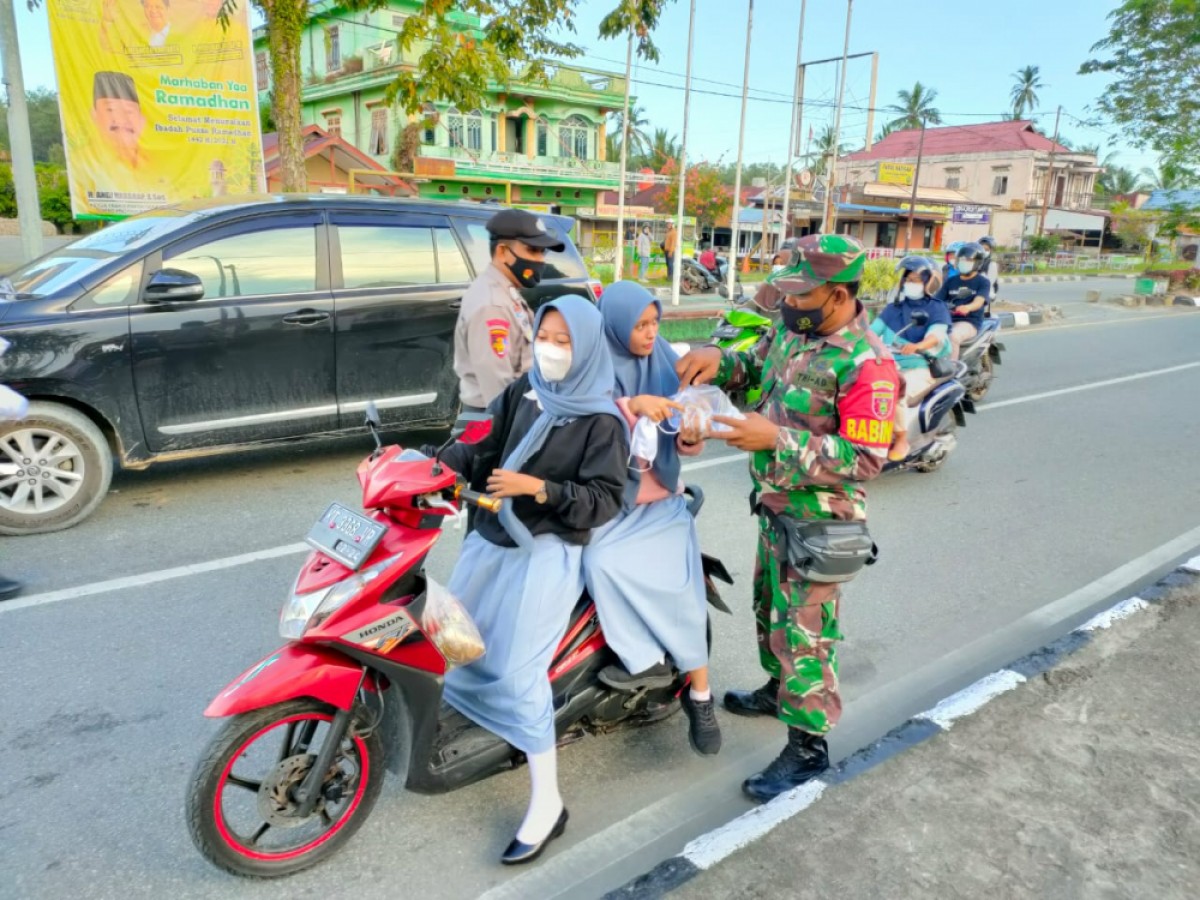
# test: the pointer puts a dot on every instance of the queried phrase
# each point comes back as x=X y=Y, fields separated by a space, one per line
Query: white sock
x=545 y=802
x=702 y=696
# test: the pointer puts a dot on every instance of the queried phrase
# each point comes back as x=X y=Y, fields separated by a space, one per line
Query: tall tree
x=1152 y=54
x=704 y=196
x=664 y=147
x=639 y=140
x=914 y=106
x=818 y=154
x=1116 y=180
x=1167 y=177
x=45 y=127
x=1028 y=81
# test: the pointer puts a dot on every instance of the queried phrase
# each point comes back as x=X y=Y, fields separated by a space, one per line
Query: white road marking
x=1193 y=565
x=715 y=461
x=1051 y=328
x=138 y=581
x=1106 y=619
x=972 y=698
x=1090 y=386
x=709 y=849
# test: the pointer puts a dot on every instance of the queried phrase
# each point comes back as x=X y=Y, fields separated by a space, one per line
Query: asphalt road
x=100 y=710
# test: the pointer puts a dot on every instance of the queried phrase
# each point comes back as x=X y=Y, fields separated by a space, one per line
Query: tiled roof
x=990 y=137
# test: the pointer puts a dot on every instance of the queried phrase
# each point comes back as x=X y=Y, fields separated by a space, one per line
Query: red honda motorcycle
x=358 y=689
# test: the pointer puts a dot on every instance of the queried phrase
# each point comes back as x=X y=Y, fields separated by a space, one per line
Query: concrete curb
x=709 y=849
x=1037 y=279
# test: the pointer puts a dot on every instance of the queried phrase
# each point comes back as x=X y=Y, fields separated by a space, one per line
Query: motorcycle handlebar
x=483 y=501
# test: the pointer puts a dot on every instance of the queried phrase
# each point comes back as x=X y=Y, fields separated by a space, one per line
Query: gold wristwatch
x=541 y=496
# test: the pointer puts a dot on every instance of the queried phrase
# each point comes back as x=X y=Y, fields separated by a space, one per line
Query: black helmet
x=988 y=242
x=915 y=264
x=972 y=253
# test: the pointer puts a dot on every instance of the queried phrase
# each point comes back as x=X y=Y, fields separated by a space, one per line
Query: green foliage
x=45 y=127
x=1042 y=244
x=818 y=154
x=1152 y=55
x=53 y=194
x=878 y=277
x=1131 y=226
x=916 y=106
x=639 y=16
x=705 y=197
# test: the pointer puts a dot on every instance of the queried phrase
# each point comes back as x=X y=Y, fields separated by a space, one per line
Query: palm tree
x=1167 y=177
x=1117 y=180
x=818 y=154
x=639 y=141
x=885 y=131
x=663 y=146
x=1024 y=92
x=916 y=106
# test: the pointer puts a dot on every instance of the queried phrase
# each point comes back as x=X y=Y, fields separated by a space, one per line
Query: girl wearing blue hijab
x=644 y=570
x=558 y=449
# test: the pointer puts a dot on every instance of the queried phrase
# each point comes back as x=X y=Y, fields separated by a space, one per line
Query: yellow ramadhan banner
x=158 y=102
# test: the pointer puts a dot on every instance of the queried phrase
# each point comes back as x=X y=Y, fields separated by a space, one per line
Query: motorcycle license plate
x=726 y=331
x=345 y=536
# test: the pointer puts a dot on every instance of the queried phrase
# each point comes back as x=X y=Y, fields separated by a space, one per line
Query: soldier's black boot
x=763 y=701
x=804 y=758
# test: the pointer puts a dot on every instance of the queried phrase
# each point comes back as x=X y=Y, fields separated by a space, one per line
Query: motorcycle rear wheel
x=986 y=374
x=257 y=834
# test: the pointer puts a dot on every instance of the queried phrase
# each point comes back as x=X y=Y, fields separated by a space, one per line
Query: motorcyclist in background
x=989 y=266
x=949 y=270
x=913 y=344
x=966 y=294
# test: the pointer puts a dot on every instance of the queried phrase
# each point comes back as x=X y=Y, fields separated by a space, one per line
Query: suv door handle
x=306 y=317
x=456 y=304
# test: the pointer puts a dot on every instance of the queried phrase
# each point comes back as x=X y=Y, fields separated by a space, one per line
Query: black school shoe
x=519 y=853
x=804 y=758
x=657 y=676
x=704 y=733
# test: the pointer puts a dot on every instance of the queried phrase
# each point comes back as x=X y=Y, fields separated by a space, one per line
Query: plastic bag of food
x=447 y=624
x=700 y=403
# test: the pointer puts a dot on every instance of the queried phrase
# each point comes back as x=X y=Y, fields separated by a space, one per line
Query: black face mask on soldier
x=528 y=272
x=804 y=322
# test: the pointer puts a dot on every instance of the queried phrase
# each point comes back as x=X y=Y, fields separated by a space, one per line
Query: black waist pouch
x=823 y=549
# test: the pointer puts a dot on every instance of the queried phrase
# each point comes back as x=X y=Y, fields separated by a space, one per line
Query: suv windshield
x=68 y=265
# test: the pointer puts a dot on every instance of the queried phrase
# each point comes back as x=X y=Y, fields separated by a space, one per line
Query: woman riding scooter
x=562 y=449
x=914 y=342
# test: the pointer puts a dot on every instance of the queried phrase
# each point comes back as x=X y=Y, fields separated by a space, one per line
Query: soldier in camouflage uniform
x=822 y=429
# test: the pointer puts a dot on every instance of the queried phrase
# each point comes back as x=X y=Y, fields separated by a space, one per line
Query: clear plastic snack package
x=700 y=403
x=447 y=624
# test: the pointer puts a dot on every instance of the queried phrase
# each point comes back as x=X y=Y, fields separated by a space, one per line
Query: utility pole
x=871 y=102
x=620 y=265
x=912 y=202
x=29 y=211
x=830 y=222
x=731 y=268
x=687 y=102
x=797 y=94
x=1049 y=176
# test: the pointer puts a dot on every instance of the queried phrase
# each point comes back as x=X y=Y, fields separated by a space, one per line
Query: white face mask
x=914 y=291
x=778 y=267
x=553 y=361
x=966 y=266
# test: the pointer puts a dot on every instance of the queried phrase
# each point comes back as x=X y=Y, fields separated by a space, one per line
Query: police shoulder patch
x=498 y=336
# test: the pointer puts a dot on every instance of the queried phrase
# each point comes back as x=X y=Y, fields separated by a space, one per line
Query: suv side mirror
x=173 y=286
x=471 y=428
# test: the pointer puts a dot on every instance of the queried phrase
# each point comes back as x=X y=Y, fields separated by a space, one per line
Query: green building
x=529 y=143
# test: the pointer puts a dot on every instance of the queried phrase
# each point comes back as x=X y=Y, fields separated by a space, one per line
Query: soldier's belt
x=825 y=550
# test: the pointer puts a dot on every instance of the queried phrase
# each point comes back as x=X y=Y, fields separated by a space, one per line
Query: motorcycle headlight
x=306 y=611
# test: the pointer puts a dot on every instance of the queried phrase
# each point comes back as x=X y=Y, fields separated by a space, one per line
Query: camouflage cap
x=819 y=259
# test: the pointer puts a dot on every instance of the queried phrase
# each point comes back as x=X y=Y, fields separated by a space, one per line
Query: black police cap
x=523 y=226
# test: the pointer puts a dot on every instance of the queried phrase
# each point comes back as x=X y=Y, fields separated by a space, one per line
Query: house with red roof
x=993 y=178
x=329 y=160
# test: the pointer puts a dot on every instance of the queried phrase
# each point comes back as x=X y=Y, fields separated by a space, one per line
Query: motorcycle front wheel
x=241 y=805
x=987 y=373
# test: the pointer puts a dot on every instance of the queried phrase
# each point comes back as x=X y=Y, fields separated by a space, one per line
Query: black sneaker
x=657 y=676
x=704 y=733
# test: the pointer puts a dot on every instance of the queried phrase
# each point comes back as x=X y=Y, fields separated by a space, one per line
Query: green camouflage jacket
x=834 y=398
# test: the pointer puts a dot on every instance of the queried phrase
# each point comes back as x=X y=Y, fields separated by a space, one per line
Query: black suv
x=218 y=325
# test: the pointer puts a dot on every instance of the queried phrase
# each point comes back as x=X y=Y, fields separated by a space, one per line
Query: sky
x=969 y=58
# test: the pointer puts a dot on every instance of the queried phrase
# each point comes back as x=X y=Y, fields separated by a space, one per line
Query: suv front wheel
x=55 y=468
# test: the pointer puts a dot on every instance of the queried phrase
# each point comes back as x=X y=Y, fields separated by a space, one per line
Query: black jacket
x=584 y=464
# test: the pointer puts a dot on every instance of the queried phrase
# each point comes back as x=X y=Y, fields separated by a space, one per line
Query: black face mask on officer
x=528 y=272
x=810 y=320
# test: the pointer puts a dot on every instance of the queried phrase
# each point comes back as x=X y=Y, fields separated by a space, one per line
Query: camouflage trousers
x=797 y=626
